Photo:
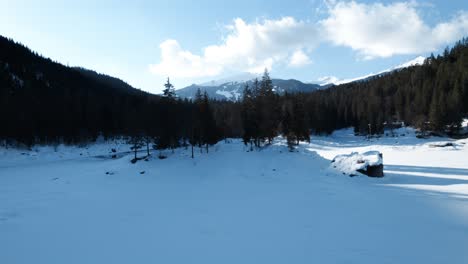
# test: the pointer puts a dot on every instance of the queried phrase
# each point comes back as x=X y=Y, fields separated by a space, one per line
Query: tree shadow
x=419 y=175
x=428 y=169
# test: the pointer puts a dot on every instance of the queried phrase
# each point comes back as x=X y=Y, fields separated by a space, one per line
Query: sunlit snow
x=76 y=205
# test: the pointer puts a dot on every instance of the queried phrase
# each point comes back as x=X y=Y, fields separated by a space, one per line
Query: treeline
x=432 y=97
x=44 y=102
x=265 y=114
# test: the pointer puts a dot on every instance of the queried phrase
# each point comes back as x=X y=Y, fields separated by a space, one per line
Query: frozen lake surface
x=74 y=205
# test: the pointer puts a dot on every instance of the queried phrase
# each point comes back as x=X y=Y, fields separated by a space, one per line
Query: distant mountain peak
x=232 y=88
x=238 y=78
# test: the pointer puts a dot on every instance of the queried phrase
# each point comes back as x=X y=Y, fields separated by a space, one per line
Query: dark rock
x=373 y=171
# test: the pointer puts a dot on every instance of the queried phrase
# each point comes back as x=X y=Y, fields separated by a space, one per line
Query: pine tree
x=454 y=108
x=208 y=123
x=436 y=114
x=266 y=85
x=137 y=143
x=199 y=132
x=299 y=124
x=287 y=127
x=269 y=109
x=248 y=117
x=147 y=140
x=169 y=90
x=195 y=132
x=257 y=115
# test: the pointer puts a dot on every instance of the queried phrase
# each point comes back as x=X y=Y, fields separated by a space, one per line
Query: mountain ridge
x=232 y=90
x=332 y=80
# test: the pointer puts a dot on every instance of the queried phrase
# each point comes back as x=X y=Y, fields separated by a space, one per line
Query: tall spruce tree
x=137 y=142
x=287 y=126
x=248 y=113
x=269 y=109
x=169 y=90
x=299 y=123
x=210 y=133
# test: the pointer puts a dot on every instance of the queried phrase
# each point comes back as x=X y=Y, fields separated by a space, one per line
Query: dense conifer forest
x=44 y=102
x=432 y=97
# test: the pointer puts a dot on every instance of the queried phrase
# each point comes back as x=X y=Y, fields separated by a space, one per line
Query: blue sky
x=143 y=42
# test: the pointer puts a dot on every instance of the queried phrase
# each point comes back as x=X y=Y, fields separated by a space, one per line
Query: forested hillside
x=433 y=96
x=42 y=101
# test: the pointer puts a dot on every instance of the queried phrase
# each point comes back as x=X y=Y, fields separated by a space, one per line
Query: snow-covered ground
x=75 y=205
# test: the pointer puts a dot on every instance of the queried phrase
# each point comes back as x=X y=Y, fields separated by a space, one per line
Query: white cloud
x=247 y=47
x=378 y=30
x=176 y=62
x=299 y=59
x=453 y=30
x=373 y=30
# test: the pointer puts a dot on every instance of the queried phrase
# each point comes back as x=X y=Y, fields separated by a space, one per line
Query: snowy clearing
x=75 y=205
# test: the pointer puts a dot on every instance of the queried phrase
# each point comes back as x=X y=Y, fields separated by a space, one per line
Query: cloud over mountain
x=373 y=30
x=247 y=47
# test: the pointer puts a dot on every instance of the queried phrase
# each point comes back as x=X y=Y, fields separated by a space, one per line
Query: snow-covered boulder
x=369 y=163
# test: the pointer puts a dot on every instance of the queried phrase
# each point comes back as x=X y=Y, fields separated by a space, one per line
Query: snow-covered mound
x=355 y=162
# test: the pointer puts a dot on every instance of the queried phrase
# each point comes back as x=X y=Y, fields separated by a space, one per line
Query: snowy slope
x=327 y=80
x=239 y=78
x=233 y=206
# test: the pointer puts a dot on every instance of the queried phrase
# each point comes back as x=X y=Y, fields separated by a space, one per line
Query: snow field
x=233 y=206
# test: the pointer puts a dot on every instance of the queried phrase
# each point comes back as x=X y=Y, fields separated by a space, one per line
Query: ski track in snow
x=233 y=206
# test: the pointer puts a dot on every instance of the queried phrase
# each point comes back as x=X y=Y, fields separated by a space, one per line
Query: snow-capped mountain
x=328 y=80
x=232 y=88
x=239 y=78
